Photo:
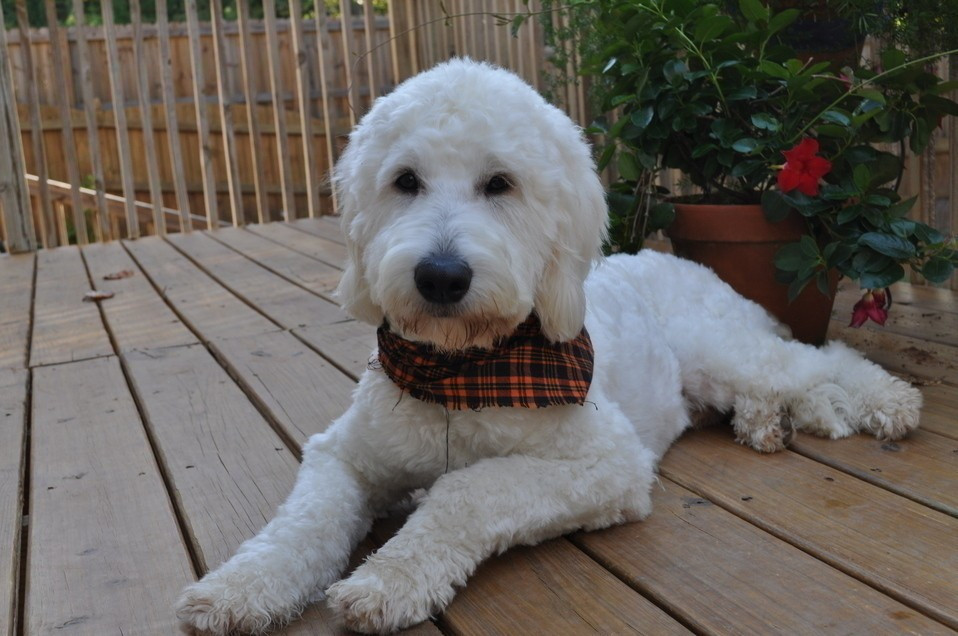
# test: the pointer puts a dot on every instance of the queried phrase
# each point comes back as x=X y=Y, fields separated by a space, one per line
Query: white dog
x=469 y=205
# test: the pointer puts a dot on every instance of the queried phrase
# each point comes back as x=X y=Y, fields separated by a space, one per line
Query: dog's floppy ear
x=560 y=295
x=353 y=290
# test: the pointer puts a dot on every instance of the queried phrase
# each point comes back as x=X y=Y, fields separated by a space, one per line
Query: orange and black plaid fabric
x=525 y=370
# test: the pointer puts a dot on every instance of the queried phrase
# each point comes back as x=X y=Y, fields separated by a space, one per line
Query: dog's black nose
x=442 y=278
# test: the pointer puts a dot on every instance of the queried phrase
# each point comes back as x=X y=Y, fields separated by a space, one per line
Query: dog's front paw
x=382 y=597
x=233 y=602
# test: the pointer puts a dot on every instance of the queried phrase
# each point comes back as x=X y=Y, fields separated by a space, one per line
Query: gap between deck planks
x=13 y=404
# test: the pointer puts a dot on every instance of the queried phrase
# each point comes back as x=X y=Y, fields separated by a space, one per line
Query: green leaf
x=765 y=121
x=891 y=274
x=775 y=70
x=892 y=59
x=745 y=92
x=836 y=117
x=862 y=176
x=746 y=145
x=871 y=94
x=753 y=10
x=641 y=117
x=937 y=270
x=661 y=216
x=775 y=206
x=675 y=71
x=605 y=157
x=887 y=244
x=809 y=247
x=782 y=20
x=790 y=258
x=628 y=167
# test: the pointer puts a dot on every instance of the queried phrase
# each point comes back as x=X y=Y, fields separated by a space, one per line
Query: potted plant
x=712 y=90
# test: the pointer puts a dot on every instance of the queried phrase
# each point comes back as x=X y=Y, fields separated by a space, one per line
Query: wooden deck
x=143 y=439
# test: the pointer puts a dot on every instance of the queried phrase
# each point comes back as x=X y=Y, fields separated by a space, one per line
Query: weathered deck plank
x=312 y=237
x=65 y=328
x=348 y=344
x=16 y=292
x=229 y=471
x=723 y=575
x=908 y=355
x=13 y=399
x=106 y=555
x=303 y=270
x=940 y=412
x=552 y=584
x=877 y=536
x=136 y=315
x=205 y=305
x=303 y=392
x=285 y=303
x=922 y=467
x=331 y=252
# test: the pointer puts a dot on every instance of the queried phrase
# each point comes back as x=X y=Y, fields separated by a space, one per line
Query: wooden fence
x=147 y=128
x=153 y=127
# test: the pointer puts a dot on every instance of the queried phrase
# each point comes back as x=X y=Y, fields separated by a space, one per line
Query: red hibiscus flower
x=803 y=169
x=874 y=305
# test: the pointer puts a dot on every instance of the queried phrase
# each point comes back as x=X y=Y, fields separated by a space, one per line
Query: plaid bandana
x=524 y=369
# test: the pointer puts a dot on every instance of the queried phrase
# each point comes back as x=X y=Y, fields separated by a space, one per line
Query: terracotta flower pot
x=739 y=244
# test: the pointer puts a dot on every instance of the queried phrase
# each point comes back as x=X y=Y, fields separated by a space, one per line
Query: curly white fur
x=668 y=335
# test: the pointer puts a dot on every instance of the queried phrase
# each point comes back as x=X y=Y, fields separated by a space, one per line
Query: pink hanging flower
x=873 y=305
x=803 y=169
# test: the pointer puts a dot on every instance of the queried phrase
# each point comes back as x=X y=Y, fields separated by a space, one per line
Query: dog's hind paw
x=897 y=413
x=762 y=424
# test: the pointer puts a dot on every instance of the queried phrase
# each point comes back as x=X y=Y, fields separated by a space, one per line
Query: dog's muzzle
x=443 y=278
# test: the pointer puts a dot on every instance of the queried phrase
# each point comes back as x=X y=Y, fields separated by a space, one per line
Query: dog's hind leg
x=301 y=551
x=856 y=395
x=774 y=385
x=484 y=509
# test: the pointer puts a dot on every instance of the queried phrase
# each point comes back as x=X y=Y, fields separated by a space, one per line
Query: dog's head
x=468 y=201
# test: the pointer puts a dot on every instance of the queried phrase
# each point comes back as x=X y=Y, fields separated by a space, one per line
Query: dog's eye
x=408 y=182
x=498 y=184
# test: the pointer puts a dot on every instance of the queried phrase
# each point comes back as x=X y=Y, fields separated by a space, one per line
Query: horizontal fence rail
x=157 y=126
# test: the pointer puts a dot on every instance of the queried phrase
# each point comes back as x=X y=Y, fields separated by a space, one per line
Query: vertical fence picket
x=172 y=120
x=224 y=103
x=352 y=85
x=146 y=119
x=17 y=216
x=90 y=108
x=322 y=40
x=202 y=123
x=47 y=222
x=252 y=120
x=369 y=29
x=65 y=104
x=279 y=110
x=119 y=115
x=304 y=104
x=391 y=13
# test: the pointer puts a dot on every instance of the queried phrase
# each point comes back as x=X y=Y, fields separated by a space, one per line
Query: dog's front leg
x=481 y=510
x=297 y=555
